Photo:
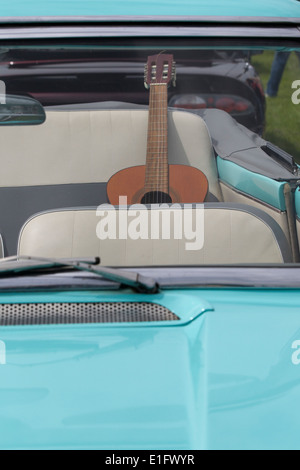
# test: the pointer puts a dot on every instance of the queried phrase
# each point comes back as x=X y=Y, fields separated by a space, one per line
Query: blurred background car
x=223 y=80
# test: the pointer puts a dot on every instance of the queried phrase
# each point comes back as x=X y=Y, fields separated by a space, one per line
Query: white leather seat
x=211 y=234
x=68 y=160
x=91 y=146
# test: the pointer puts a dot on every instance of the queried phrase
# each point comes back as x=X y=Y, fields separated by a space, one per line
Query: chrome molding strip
x=149 y=31
x=149 y=18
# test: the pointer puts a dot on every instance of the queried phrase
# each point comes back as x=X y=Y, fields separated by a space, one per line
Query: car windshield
x=175 y=154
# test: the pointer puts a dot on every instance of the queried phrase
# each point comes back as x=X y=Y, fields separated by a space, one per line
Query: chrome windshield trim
x=149 y=31
x=188 y=277
x=148 y=18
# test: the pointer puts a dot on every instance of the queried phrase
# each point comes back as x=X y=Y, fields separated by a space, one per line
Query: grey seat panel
x=18 y=204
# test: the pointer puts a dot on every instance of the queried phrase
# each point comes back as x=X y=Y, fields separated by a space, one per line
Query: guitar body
x=158 y=182
x=187 y=185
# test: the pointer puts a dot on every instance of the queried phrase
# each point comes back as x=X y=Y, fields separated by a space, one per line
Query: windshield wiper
x=19 y=265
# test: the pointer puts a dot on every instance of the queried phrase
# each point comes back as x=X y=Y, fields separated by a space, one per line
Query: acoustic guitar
x=157 y=181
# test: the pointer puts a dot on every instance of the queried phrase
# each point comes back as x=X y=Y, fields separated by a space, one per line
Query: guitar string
x=157 y=141
x=158 y=150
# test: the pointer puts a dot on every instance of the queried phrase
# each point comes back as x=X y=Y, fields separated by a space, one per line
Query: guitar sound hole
x=156 y=197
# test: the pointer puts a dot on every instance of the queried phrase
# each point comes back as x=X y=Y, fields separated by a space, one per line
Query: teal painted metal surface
x=105 y=386
x=268 y=8
x=297 y=201
x=253 y=184
x=254 y=370
x=228 y=379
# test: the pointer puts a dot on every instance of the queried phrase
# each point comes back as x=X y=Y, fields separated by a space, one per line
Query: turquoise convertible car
x=149 y=272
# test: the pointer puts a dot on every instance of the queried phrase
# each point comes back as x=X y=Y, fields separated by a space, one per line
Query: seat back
x=206 y=234
x=90 y=146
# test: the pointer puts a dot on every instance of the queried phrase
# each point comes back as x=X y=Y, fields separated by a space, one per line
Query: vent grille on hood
x=74 y=313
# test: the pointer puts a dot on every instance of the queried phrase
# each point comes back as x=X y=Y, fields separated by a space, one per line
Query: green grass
x=282 y=117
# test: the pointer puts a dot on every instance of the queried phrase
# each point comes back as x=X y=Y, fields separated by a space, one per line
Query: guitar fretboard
x=157 y=167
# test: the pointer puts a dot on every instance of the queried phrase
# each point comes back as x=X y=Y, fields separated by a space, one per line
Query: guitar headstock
x=160 y=69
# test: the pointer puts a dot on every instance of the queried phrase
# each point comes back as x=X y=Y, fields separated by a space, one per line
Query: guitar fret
x=160 y=172
x=158 y=168
x=158 y=175
x=154 y=187
x=157 y=184
x=154 y=164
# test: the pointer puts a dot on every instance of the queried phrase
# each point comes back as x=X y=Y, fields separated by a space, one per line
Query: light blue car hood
x=226 y=8
x=226 y=375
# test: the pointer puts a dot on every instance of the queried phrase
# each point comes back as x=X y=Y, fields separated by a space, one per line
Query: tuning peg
x=146 y=77
x=174 y=74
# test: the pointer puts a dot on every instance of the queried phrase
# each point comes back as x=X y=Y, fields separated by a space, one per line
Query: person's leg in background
x=277 y=70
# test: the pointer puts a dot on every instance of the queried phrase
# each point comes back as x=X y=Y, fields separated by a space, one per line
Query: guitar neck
x=157 y=167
